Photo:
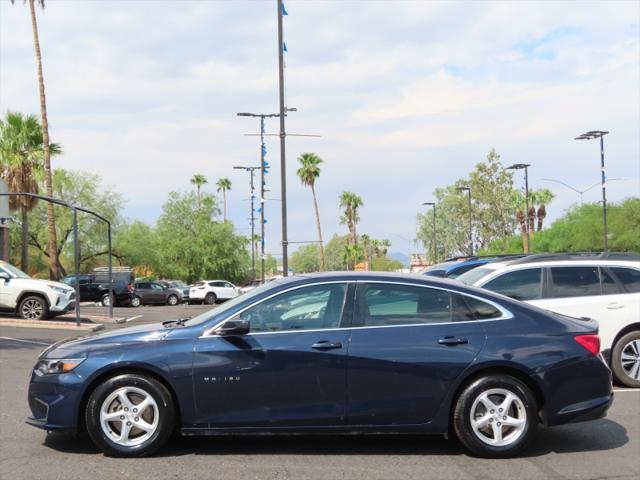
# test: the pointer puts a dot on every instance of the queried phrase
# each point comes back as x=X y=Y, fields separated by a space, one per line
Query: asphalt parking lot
x=605 y=449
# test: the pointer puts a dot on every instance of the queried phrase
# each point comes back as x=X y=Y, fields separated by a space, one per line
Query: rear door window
x=609 y=285
x=629 y=277
x=384 y=305
x=574 y=282
x=520 y=284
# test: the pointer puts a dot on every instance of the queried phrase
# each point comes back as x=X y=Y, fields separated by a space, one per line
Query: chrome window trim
x=506 y=314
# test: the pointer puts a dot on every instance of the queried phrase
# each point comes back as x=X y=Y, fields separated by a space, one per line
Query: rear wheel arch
x=629 y=328
x=509 y=370
x=137 y=370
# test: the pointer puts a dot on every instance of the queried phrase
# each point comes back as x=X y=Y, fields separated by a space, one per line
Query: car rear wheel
x=33 y=308
x=172 y=300
x=105 y=300
x=130 y=415
x=625 y=359
x=210 y=299
x=495 y=417
x=135 y=301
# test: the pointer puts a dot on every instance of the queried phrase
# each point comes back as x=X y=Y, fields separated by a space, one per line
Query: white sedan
x=212 y=291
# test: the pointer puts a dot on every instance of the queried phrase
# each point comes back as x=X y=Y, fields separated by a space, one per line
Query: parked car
x=356 y=352
x=94 y=287
x=30 y=298
x=604 y=287
x=455 y=267
x=212 y=291
x=154 y=293
x=178 y=285
x=249 y=286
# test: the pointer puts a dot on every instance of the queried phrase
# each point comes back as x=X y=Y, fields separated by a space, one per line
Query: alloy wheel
x=630 y=359
x=32 y=309
x=129 y=416
x=498 y=417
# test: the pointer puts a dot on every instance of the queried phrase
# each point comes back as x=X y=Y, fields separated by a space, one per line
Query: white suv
x=30 y=298
x=604 y=287
x=211 y=291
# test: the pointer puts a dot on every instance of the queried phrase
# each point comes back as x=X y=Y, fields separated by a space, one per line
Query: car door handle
x=452 y=341
x=615 y=306
x=326 y=345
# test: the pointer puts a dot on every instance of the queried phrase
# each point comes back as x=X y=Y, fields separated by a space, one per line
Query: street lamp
x=435 y=251
x=251 y=171
x=468 y=190
x=264 y=165
x=525 y=166
x=590 y=136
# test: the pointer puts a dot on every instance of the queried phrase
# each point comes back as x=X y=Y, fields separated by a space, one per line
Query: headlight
x=58 y=365
x=60 y=290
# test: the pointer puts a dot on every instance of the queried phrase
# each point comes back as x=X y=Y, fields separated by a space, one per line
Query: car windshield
x=178 y=284
x=13 y=271
x=472 y=276
x=230 y=304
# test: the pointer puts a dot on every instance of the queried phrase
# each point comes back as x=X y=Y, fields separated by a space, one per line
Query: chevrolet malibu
x=331 y=353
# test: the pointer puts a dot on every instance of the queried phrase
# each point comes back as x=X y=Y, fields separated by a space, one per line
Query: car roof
x=514 y=265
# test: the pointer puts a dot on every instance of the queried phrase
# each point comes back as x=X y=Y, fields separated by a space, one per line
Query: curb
x=71 y=317
x=50 y=324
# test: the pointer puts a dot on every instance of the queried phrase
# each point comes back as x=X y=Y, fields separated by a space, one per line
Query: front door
x=289 y=371
x=408 y=346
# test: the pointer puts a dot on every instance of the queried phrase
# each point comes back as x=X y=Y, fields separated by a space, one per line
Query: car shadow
x=600 y=435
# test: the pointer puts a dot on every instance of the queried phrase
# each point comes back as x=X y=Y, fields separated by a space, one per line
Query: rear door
x=143 y=290
x=408 y=346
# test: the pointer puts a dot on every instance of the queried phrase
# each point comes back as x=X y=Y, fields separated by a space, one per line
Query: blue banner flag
x=284 y=47
x=284 y=10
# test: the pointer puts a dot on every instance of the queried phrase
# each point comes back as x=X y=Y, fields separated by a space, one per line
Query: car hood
x=44 y=283
x=83 y=346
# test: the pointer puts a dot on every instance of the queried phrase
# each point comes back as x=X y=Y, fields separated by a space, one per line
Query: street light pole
x=435 y=246
x=263 y=164
x=283 y=157
x=525 y=167
x=251 y=171
x=589 y=136
x=468 y=190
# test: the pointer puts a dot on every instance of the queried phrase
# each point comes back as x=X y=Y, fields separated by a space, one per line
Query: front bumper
x=54 y=401
x=64 y=302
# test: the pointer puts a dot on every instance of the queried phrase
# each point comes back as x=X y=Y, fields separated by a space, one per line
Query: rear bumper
x=583 y=411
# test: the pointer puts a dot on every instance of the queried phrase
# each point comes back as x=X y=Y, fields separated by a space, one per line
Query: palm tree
x=224 y=184
x=21 y=166
x=198 y=180
x=309 y=172
x=54 y=261
x=351 y=203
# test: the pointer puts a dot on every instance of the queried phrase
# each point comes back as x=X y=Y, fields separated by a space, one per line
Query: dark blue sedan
x=331 y=353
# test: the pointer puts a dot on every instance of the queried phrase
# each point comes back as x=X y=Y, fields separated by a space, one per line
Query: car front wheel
x=130 y=415
x=33 y=308
x=495 y=417
x=105 y=300
x=625 y=359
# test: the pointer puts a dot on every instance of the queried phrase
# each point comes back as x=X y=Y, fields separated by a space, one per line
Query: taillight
x=590 y=341
x=130 y=288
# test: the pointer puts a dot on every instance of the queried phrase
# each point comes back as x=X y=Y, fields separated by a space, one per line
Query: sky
x=407 y=96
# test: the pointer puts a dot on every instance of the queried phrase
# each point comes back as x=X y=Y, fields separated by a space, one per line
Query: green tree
x=224 y=185
x=335 y=253
x=308 y=173
x=198 y=180
x=193 y=246
x=305 y=259
x=86 y=190
x=21 y=167
x=135 y=244
x=351 y=204
x=56 y=268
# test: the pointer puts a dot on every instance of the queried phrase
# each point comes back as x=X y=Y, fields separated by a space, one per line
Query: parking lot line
x=626 y=390
x=24 y=341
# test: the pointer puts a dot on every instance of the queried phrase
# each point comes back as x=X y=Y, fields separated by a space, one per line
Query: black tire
x=210 y=298
x=135 y=301
x=33 y=307
x=629 y=344
x=105 y=299
x=526 y=408
x=172 y=300
x=165 y=411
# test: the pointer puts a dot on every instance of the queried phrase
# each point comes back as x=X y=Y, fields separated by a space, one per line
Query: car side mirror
x=5 y=276
x=233 y=328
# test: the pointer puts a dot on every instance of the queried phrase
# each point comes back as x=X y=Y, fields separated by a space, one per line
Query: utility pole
x=283 y=157
x=263 y=171
x=525 y=167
